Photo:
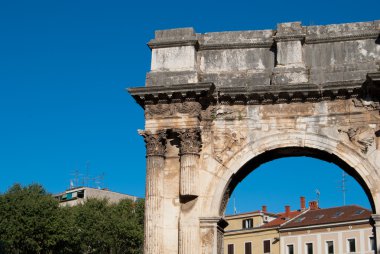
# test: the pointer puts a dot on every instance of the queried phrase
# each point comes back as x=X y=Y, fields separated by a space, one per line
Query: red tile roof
x=281 y=219
x=330 y=215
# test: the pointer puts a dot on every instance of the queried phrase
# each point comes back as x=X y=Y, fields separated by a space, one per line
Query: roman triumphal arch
x=219 y=104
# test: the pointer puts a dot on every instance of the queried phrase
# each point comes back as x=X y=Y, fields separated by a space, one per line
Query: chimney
x=264 y=208
x=303 y=203
x=287 y=211
x=313 y=205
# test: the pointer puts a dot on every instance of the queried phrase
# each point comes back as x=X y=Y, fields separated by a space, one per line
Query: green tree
x=127 y=227
x=32 y=222
x=110 y=228
x=28 y=220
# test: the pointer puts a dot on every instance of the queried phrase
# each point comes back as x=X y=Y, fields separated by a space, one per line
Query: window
x=248 y=223
x=230 y=249
x=309 y=248
x=320 y=216
x=351 y=246
x=337 y=214
x=330 y=247
x=248 y=248
x=372 y=243
x=300 y=219
x=358 y=212
x=81 y=194
x=266 y=246
x=290 y=249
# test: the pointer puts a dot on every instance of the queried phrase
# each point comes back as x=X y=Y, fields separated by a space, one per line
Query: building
x=244 y=231
x=344 y=229
x=256 y=231
x=312 y=230
x=75 y=196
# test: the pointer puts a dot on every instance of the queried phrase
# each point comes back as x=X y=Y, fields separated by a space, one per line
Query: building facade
x=76 y=196
x=337 y=230
x=345 y=229
x=245 y=233
x=260 y=236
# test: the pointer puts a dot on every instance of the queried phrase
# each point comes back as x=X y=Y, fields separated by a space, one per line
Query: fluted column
x=155 y=163
x=190 y=146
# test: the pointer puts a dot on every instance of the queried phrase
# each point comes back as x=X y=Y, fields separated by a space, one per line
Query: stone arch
x=298 y=99
x=287 y=144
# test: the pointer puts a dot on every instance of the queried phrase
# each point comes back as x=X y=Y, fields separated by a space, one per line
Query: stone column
x=190 y=146
x=376 y=231
x=189 y=149
x=155 y=163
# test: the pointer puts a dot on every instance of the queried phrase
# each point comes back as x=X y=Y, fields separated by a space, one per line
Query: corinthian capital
x=190 y=140
x=155 y=142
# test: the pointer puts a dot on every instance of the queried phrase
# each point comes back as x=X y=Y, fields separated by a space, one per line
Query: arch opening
x=286 y=152
x=247 y=231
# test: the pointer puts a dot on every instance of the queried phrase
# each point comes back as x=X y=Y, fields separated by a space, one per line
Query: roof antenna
x=343 y=187
x=318 y=193
x=235 y=210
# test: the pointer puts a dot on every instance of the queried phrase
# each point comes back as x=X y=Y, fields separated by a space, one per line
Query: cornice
x=206 y=93
x=288 y=94
x=309 y=39
x=154 y=44
x=241 y=45
x=174 y=93
x=289 y=37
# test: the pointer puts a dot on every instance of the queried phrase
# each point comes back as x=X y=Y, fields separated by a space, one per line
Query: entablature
x=207 y=93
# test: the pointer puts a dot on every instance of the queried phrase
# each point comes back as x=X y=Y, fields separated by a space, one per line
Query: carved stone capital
x=155 y=142
x=190 y=141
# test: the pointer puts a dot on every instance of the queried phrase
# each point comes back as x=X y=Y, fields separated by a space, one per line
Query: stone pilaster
x=155 y=154
x=290 y=67
x=174 y=57
x=212 y=233
x=376 y=226
x=190 y=146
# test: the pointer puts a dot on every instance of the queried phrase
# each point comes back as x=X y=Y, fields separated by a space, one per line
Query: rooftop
x=330 y=215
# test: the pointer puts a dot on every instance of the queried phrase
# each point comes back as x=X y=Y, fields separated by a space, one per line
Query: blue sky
x=64 y=66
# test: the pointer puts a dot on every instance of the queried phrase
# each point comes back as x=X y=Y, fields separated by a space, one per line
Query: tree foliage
x=31 y=221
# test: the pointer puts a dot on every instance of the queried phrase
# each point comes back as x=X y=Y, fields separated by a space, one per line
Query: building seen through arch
x=343 y=229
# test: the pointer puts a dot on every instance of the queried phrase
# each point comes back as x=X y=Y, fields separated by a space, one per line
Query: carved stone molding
x=191 y=108
x=362 y=137
x=162 y=94
x=369 y=105
x=276 y=94
x=190 y=141
x=227 y=142
x=155 y=142
x=226 y=198
x=338 y=38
